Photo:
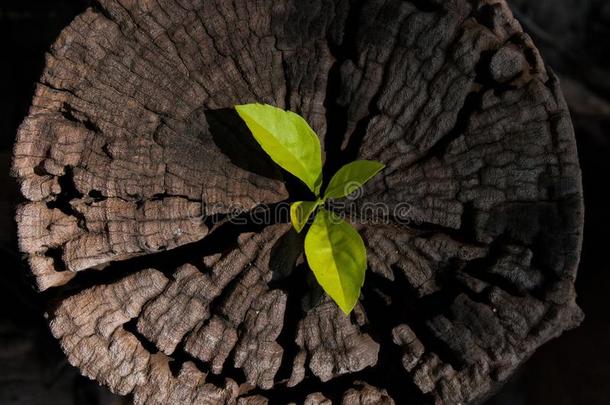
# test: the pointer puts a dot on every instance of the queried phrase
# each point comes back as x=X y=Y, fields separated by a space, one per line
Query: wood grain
x=131 y=164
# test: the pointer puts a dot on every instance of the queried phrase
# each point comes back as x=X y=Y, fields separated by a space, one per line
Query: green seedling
x=335 y=251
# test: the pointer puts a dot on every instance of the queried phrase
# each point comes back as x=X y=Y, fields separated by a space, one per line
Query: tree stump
x=132 y=162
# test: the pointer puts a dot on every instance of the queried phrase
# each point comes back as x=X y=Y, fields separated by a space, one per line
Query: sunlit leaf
x=351 y=177
x=336 y=254
x=300 y=212
x=287 y=139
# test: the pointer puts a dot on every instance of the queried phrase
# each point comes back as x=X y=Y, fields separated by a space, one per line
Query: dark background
x=574 y=38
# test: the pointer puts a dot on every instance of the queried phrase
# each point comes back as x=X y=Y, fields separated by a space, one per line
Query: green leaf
x=337 y=256
x=300 y=212
x=287 y=139
x=351 y=177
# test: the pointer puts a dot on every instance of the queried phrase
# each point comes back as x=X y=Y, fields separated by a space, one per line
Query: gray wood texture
x=128 y=178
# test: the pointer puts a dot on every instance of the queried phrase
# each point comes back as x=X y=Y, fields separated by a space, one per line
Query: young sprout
x=335 y=251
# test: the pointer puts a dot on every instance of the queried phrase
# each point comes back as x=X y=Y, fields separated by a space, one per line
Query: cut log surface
x=133 y=166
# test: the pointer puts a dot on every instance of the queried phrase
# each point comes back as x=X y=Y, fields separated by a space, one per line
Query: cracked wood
x=130 y=151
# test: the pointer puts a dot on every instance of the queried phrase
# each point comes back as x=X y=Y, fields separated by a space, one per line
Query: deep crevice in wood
x=295 y=285
x=68 y=193
x=336 y=114
x=132 y=328
x=415 y=311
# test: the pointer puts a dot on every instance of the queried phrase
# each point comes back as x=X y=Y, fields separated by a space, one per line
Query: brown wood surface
x=131 y=161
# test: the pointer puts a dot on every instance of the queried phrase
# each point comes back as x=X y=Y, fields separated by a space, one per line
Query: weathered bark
x=131 y=163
